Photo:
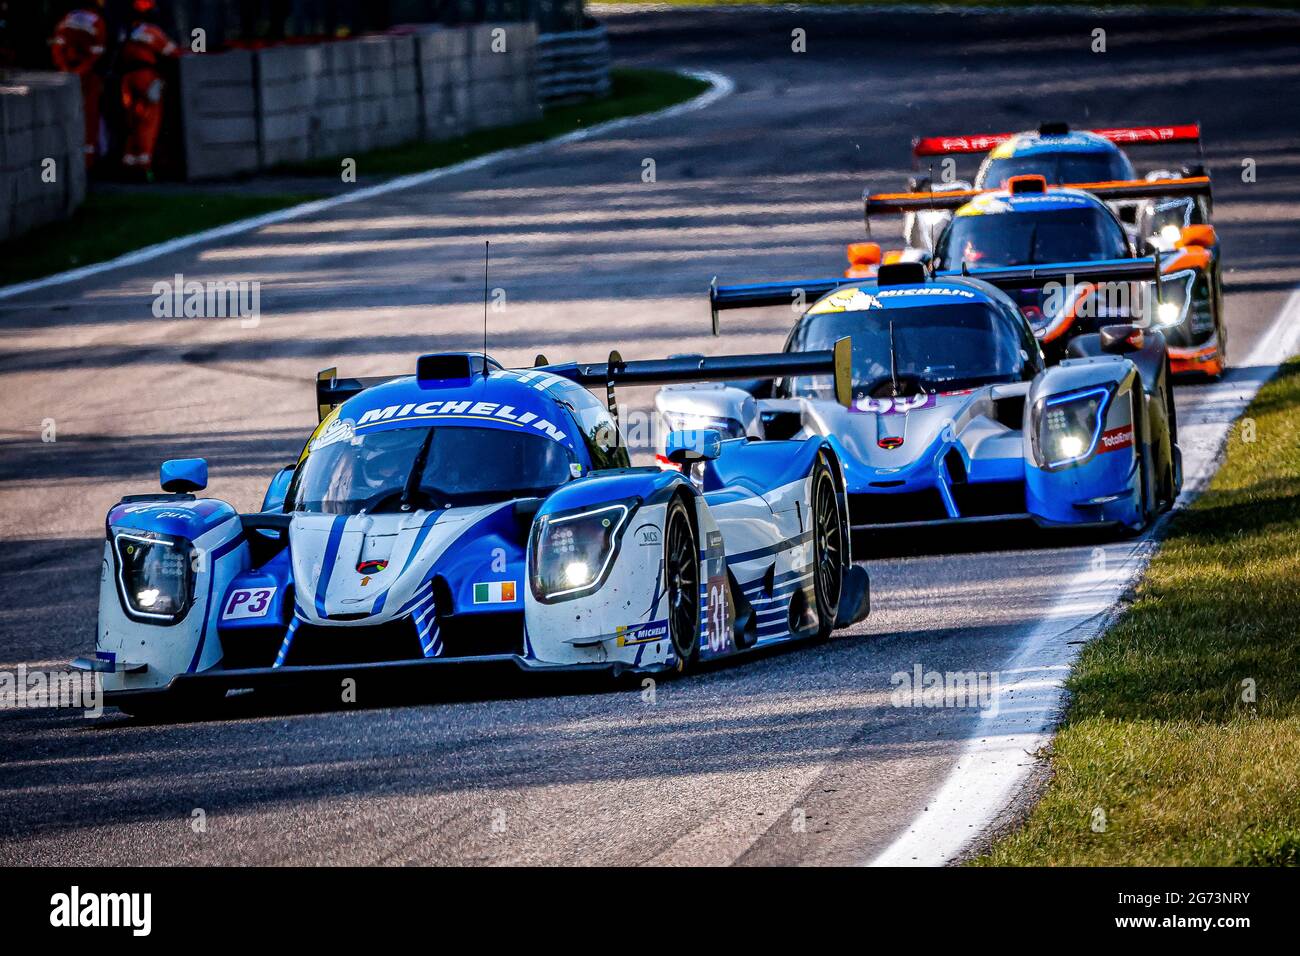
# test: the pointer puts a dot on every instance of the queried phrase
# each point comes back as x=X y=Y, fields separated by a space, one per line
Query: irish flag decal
x=494 y=592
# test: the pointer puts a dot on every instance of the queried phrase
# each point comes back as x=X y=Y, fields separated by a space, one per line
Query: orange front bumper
x=1207 y=360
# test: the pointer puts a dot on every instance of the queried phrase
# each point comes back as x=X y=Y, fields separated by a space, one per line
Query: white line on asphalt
x=719 y=87
x=999 y=757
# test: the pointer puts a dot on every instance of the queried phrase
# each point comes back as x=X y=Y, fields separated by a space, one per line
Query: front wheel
x=1144 y=510
x=682 y=577
x=830 y=547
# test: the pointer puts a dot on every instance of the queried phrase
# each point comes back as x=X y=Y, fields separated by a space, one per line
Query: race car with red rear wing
x=473 y=513
x=1030 y=222
x=1077 y=158
x=956 y=416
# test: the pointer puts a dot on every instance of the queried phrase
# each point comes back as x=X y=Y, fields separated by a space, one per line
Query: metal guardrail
x=573 y=66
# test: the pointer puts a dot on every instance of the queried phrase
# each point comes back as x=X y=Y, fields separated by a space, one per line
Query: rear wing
x=332 y=390
x=881 y=204
x=1146 y=269
x=1148 y=188
x=755 y=295
x=884 y=204
x=1122 y=135
x=836 y=362
x=759 y=294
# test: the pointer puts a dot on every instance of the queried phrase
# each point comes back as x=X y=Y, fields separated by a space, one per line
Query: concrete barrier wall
x=337 y=99
x=40 y=119
x=219 y=114
x=503 y=71
x=247 y=111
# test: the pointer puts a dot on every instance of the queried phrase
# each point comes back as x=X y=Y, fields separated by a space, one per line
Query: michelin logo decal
x=493 y=411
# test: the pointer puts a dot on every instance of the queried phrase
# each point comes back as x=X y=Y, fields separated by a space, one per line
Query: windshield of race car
x=933 y=348
x=1078 y=234
x=429 y=467
x=1058 y=168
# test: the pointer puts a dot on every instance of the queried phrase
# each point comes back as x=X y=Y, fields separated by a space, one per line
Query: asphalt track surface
x=794 y=757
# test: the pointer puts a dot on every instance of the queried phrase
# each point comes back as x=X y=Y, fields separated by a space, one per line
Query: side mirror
x=183 y=474
x=864 y=253
x=1122 y=339
x=1198 y=235
x=688 y=447
x=277 y=489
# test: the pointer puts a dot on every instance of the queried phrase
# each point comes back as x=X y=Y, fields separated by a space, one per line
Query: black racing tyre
x=1144 y=510
x=682 y=582
x=830 y=546
x=1168 y=484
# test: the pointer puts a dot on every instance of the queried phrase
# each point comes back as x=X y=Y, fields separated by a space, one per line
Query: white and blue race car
x=473 y=512
x=955 y=415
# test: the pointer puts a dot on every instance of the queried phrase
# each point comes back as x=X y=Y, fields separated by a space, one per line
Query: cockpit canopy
x=913 y=339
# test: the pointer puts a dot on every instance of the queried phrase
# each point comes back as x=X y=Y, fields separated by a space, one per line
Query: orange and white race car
x=1166 y=213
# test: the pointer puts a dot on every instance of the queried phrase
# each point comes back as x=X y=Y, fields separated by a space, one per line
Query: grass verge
x=632 y=92
x=110 y=224
x=1184 y=720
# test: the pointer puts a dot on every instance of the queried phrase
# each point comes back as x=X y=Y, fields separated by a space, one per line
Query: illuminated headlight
x=1170 y=235
x=1175 y=297
x=1069 y=426
x=571 y=552
x=155 y=576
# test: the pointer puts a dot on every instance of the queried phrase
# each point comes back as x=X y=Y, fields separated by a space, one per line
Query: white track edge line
x=720 y=86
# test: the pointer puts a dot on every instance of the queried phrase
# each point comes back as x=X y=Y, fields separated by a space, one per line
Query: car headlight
x=1175 y=298
x=572 y=551
x=155 y=576
x=1067 y=427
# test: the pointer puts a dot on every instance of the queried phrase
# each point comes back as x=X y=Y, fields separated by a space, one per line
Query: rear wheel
x=682 y=574
x=830 y=547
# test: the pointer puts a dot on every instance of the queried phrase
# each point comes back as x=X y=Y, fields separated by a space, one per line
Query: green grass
x=1158 y=734
x=110 y=224
x=632 y=92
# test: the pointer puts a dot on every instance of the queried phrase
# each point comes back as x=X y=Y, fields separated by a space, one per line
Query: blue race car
x=955 y=415
x=472 y=512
